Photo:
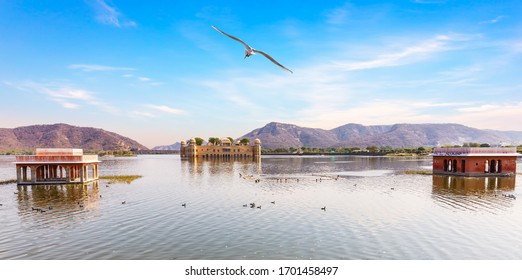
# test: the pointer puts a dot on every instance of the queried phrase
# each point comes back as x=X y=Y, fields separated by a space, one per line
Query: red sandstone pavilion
x=56 y=166
x=475 y=161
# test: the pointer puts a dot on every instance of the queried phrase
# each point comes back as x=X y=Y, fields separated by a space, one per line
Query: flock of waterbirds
x=252 y=204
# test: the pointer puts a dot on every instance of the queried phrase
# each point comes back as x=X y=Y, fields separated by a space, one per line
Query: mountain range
x=273 y=135
x=64 y=136
x=281 y=135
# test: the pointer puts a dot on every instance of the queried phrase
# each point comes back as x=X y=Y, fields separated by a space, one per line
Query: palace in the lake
x=56 y=166
x=475 y=161
x=224 y=150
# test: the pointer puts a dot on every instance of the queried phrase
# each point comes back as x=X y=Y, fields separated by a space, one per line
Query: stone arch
x=454 y=165
x=493 y=166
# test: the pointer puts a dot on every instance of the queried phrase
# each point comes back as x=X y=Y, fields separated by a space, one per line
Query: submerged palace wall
x=475 y=161
x=224 y=150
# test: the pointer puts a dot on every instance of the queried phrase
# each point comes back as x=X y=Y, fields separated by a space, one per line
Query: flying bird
x=250 y=51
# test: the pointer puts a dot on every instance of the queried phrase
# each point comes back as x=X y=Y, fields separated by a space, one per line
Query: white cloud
x=430 y=1
x=421 y=50
x=109 y=15
x=144 y=79
x=492 y=21
x=67 y=96
x=499 y=116
x=337 y=15
x=69 y=105
x=371 y=112
x=97 y=67
x=166 y=109
x=478 y=109
x=144 y=114
x=332 y=93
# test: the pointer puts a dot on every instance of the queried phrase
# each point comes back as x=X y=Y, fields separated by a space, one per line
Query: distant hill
x=281 y=135
x=64 y=136
x=174 y=147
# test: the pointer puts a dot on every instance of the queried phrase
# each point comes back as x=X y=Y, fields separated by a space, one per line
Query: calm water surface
x=372 y=212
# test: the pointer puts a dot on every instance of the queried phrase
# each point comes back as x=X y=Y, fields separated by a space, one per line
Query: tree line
x=372 y=150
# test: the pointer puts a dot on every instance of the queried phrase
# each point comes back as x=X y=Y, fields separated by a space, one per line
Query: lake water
x=372 y=212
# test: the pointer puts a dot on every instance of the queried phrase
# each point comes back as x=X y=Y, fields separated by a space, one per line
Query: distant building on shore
x=56 y=166
x=475 y=161
x=224 y=150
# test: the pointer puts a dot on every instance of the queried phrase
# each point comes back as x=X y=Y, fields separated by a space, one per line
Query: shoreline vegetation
x=6 y=182
x=370 y=150
x=353 y=151
x=356 y=151
x=113 y=179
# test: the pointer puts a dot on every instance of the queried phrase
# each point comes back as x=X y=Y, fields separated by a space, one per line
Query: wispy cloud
x=143 y=114
x=97 y=67
x=325 y=95
x=373 y=111
x=430 y=1
x=421 y=50
x=492 y=21
x=109 y=15
x=337 y=15
x=166 y=109
x=67 y=96
x=500 y=116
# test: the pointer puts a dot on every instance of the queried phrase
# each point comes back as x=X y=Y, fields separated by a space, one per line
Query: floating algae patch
x=127 y=179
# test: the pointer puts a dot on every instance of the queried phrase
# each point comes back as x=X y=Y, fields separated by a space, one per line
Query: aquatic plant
x=127 y=179
x=417 y=172
x=5 y=182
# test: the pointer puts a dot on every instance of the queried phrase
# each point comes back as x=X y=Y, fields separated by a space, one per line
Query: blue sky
x=158 y=73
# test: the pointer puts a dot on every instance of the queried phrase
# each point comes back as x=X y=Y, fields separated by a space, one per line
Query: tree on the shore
x=372 y=149
x=199 y=141
x=245 y=141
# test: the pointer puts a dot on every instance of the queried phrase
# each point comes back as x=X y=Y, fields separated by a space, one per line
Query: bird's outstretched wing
x=273 y=60
x=237 y=39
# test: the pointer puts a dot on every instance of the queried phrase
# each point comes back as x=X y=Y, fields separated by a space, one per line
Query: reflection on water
x=474 y=193
x=372 y=212
x=460 y=185
x=66 y=196
x=216 y=165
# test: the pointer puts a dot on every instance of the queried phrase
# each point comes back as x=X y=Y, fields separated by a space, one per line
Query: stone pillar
x=81 y=174
x=24 y=173
x=33 y=174
x=18 y=174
